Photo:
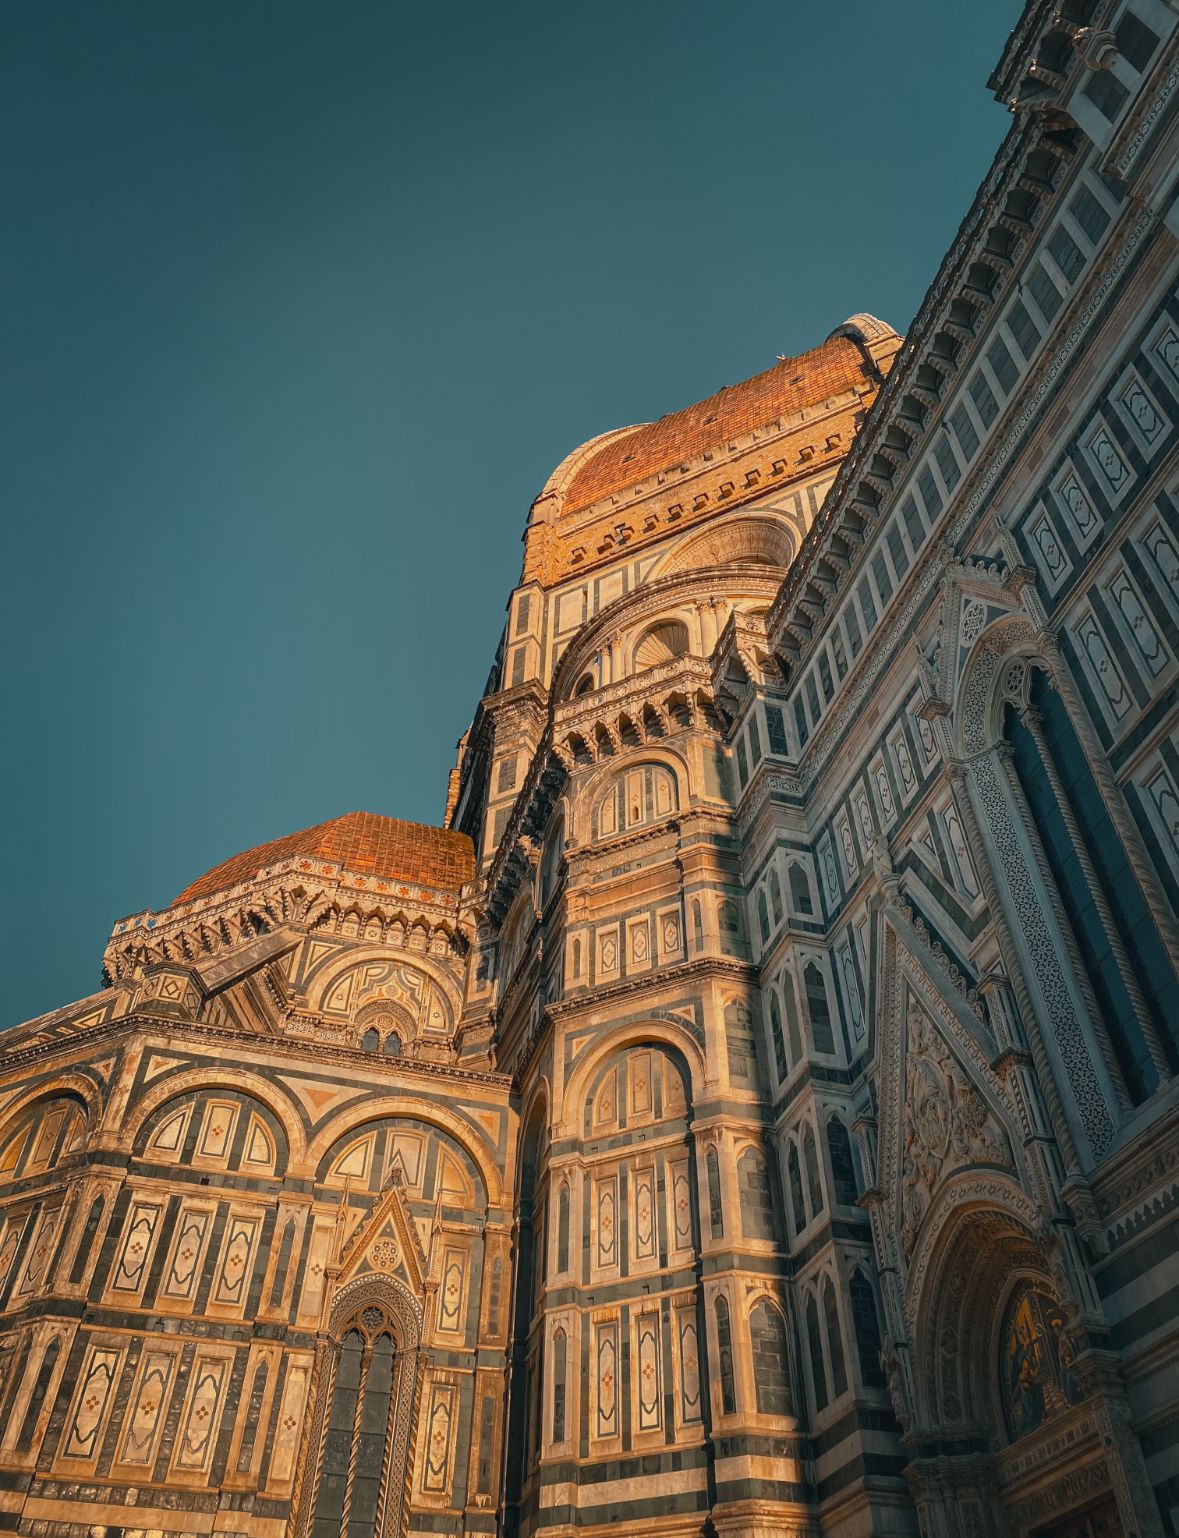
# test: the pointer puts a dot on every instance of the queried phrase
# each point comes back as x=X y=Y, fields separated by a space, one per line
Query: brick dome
x=363 y=843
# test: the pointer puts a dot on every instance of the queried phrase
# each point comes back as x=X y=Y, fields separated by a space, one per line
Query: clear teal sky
x=300 y=305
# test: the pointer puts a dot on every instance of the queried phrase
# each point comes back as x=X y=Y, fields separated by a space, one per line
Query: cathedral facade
x=755 y=1111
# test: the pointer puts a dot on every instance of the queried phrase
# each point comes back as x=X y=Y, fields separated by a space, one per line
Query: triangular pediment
x=386 y=1240
x=942 y=1107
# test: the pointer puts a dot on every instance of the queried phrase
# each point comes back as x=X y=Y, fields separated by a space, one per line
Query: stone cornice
x=310 y=1055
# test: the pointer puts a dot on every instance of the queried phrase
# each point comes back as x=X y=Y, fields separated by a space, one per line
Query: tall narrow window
x=1136 y=934
x=843 y=1170
x=715 y=1211
x=866 y=1322
x=763 y=917
x=797 y=1202
x=245 y=1452
x=286 y=1247
x=834 y=1339
x=813 y=1182
x=771 y=1371
x=560 y=1369
x=86 y=1242
x=697 y=925
x=780 y=1061
x=724 y=1348
x=793 y=1036
x=775 y=897
x=800 y=890
x=815 y=1349
x=757 y=1207
x=28 y=1428
x=486 y=1434
x=563 y=1229
x=358 y=1436
x=818 y=1008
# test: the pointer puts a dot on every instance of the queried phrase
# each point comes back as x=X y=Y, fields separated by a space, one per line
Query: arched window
x=28 y=1429
x=554 y=851
x=1133 y=947
x=771 y=1370
x=392 y=1045
x=724 y=1346
x=834 y=1339
x=813 y=1183
x=560 y=1370
x=585 y=684
x=763 y=917
x=245 y=1452
x=86 y=1242
x=715 y=1210
x=814 y=1342
x=793 y=1036
x=797 y=1201
x=818 y=1008
x=697 y=925
x=866 y=1323
x=563 y=1232
x=757 y=1206
x=776 y=897
x=486 y=1440
x=780 y=1061
x=357 y=1437
x=800 y=890
x=371 y=1040
x=285 y=1250
x=639 y=795
x=843 y=1170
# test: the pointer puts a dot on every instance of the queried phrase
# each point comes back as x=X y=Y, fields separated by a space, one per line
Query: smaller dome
x=866 y=328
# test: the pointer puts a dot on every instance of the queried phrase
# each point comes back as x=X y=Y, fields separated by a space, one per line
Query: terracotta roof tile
x=363 y=843
x=830 y=369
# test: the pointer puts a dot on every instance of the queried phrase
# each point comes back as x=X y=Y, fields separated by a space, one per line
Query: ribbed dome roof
x=631 y=455
x=363 y=843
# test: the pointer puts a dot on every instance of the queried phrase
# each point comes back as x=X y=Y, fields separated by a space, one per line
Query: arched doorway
x=1021 y=1429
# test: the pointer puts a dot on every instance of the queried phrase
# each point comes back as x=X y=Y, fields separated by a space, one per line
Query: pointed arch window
x=866 y=1323
x=814 y=1341
x=757 y=1206
x=793 y=1035
x=562 y=1234
x=813 y=1181
x=843 y=1170
x=28 y=1429
x=715 y=1210
x=724 y=1347
x=771 y=1369
x=1129 y=953
x=797 y=1200
x=776 y=897
x=86 y=1242
x=780 y=1059
x=800 y=890
x=560 y=1372
x=818 y=1008
x=356 y=1492
x=834 y=1339
x=763 y=917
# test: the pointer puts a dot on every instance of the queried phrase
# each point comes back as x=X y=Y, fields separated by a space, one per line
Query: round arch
x=61 y=1085
x=652 y=1032
x=322 y=978
x=474 y=1143
x=243 y=1082
x=579 y=821
x=994 y=672
x=743 y=541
